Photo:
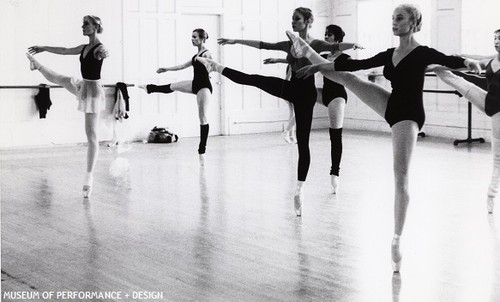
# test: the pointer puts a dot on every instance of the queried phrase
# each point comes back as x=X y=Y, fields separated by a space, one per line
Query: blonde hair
x=96 y=21
x=415 y=15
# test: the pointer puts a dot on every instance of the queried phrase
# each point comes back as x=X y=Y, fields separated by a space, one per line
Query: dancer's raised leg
x=51 y=75
x=369 y=93
x=470 y=91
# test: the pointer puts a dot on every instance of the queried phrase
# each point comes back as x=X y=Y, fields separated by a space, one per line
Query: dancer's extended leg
x=51 y=75
x=470 y=91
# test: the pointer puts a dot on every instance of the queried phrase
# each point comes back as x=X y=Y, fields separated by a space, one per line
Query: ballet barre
x=49 y=86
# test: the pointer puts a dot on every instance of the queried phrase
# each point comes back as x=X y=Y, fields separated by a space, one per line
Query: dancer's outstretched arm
x=251 y=43
x=57 y=50
x=174 y=68
x=477 y=57
x=327 y=46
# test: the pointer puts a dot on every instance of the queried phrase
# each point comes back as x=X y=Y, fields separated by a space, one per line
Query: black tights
x=300 y=92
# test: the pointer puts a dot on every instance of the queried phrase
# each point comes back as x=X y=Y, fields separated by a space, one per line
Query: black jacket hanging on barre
x=42 y=100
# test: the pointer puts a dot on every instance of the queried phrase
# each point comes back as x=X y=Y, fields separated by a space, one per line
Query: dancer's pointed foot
x=210 y=65
x=146 y=88
x=490 y=203
x=396 y=255
x=87 y=185
x=202 y=159
x=297 y=203
x=335 y=183
x=288 y=136
x=87 y=191
x=299 y=47
x=34 y=64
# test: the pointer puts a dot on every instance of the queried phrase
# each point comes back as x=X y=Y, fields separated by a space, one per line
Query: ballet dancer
x=405 y=67
x=88 y=91
x=200 y=86
x=487 y=102
x=334 y=97
x=300 y=92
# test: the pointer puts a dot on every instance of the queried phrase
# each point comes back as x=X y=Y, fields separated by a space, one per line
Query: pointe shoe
x=202 y=159
x=209 y=64
x=87 y=186
x=298 y=48
x=34 y=64
x=297 y=203
x=334 y=179
x=396 y=256
x=87 y=191
x=490 y=203
x=287 y=136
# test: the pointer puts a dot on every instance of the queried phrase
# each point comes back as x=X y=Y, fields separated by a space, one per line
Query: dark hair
x=201 y=33
x=497 y=31
x=336 y=31
x=306 y=13
x=96 y=21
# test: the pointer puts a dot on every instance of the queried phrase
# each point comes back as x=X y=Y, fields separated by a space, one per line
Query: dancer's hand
x=473 y=65
x=357 y=46
x=35 y=49
x=307 y=71
x=161 y=70
x=274 y=61
x=102 y=53
x=223 y=41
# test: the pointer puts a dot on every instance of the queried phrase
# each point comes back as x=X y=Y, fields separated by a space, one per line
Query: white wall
x=58 y=22
x=242 y=109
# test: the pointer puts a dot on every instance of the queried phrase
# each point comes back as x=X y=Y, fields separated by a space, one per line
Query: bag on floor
x=162 y=135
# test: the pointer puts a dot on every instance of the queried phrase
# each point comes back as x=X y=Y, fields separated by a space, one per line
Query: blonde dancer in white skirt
x=88 y=91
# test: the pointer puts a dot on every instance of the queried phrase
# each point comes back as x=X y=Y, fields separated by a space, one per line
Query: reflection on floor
x=160 y=223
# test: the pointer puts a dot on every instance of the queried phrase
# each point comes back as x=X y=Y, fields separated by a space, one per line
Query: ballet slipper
x=334 y=179
x=490 y=203
x=396 y=255
x=297 y=203
x=210 y=65
x=299 y=47
x=87 y=186
x=34 y=64
x=287 y=136
x=202 y=159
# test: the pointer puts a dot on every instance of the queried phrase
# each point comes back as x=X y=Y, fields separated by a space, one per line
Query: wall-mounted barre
x=49 y=86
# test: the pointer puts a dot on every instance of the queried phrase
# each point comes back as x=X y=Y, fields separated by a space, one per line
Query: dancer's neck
x=93 y=40
x=407 y=41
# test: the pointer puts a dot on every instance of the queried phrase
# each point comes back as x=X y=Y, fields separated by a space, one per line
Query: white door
x=155 y=36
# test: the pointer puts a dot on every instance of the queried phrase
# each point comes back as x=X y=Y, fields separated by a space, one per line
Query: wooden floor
x=228 y=232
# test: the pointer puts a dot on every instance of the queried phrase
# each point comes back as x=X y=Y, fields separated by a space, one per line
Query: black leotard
x=331 y=89
x=89 y=65
x=201 y=78
x=492 y=102
x=407 y=79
